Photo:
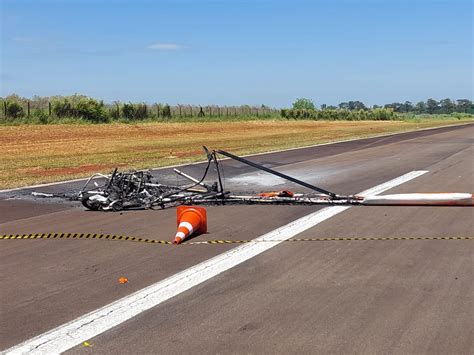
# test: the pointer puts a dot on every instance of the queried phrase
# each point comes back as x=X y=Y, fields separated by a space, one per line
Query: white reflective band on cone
x=420 y=199
x=180 y=235
x=188 y=226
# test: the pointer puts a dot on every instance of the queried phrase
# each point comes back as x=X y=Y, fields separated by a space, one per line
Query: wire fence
x=46 y=108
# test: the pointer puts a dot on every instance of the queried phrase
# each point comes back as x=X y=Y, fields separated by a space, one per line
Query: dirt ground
x=39 y=154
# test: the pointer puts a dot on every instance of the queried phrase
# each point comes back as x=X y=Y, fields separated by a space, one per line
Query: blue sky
x=238 y=52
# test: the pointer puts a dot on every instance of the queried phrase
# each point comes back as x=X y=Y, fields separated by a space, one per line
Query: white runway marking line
x=96 y=322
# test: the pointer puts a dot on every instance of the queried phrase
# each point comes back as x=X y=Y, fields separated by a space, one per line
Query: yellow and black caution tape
x=165 y=242
x=82 y=236
x=329 y=239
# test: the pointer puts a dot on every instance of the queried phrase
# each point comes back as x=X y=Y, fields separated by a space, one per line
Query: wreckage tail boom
x=421 y=199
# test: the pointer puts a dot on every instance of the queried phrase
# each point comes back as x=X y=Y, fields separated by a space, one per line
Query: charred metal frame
x=140 y=190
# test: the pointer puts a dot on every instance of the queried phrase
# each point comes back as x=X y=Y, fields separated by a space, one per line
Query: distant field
x=38 y=154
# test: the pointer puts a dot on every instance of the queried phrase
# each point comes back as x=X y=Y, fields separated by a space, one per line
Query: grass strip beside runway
x=34 y=154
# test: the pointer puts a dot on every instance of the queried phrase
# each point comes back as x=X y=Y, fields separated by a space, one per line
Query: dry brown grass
x=39 y=154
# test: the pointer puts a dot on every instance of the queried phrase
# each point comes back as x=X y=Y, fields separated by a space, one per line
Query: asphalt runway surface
x=407 y=296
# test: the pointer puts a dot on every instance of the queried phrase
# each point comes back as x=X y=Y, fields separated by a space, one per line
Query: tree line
x=79 y=107
x=304 y=108
x=430 y=106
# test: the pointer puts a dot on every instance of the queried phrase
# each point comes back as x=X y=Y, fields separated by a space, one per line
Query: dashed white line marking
x=96 y=322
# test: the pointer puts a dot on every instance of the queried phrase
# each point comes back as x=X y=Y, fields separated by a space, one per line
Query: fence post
x=5 y=108
x=210 y=111
x=28 y=108
x=49 y=108
x=191 y=109
x=179 y=111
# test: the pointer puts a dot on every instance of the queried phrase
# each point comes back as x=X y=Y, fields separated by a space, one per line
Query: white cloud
x=165 y=46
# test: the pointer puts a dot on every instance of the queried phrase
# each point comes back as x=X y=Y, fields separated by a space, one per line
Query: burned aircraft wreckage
x=141 y=190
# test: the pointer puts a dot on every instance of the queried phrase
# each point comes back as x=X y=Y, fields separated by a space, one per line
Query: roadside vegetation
x=83 y=110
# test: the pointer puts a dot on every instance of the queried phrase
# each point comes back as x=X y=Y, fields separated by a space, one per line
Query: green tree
x=304 y=104
x=14 y=110
x=128 y=111
x=431 y=106
x=446 y=105
x=463 y=105
x=407 y=107
x=395 y=106
x=115 y=110
x=166 y=111
x=420 y=107
x=63 y=108
x=356 y=105
x=343 y=106
x=141 y=111
x=91 y=110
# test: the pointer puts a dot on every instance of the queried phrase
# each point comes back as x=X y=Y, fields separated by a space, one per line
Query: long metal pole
x=284 y=176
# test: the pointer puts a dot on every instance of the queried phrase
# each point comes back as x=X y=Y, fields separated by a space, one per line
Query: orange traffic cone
x=190 y=219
